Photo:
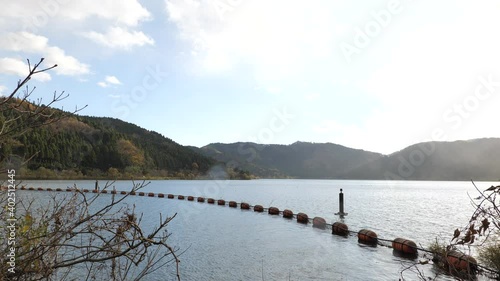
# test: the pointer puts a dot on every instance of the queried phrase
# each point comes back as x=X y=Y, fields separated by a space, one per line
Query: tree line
x=84 y=146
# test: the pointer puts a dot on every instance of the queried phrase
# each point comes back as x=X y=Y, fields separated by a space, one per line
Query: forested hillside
x=98 y=147
x=477 y=159
x=298 y=160
x=82 y=146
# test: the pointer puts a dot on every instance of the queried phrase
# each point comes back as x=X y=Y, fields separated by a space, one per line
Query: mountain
x=298 y=160
x=84 y=146
x=477 y=159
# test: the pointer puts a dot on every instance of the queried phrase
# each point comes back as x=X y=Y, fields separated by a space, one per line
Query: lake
x=222 y=243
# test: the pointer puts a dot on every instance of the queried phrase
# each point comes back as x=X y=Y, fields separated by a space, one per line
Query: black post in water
x=341 y=204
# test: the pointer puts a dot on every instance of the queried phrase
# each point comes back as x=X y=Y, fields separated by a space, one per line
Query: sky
x=372 y=75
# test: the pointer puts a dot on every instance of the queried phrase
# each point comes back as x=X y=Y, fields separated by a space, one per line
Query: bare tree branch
x=77 y=235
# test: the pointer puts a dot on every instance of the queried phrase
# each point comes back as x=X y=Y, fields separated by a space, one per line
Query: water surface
x=222 y=243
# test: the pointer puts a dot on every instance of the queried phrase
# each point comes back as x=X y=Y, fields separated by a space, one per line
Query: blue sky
x=374 y=75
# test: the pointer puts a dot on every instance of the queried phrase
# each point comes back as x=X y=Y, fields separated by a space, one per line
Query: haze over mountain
x=477 y=159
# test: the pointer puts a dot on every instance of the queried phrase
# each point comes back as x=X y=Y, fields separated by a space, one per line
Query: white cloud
x=36 y=15
x=109 y=81
x=32 y=43
x=20 y=68
x=67 y=65
x=128 y=12
x=103 y=84
x=23 y=42
x=276 y=42
x=73 y=18
x=112 y=80
x=118 y=37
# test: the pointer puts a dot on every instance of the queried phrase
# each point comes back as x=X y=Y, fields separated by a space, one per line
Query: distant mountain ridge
x=298 y=160
x=477 y=159
x=84 y=146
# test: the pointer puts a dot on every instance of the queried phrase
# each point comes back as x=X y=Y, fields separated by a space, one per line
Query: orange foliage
x=71 y=124
x=134 y=156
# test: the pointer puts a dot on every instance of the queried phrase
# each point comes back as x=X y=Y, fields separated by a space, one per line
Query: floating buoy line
x=401 y=246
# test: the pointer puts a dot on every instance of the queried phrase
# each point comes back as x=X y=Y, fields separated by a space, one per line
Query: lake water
x=222 y=243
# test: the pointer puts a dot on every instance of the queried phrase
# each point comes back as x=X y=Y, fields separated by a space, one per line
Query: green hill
x=298 y=160
x=98 y=147
x=83 y=146
x=477 y=159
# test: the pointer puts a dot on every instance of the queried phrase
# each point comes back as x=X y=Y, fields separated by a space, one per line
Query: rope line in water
x=263 y=209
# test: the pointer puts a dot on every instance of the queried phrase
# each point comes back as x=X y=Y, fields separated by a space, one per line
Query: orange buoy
x=67 y=189
x=233 y=204
x=180 y=197
x=58 y=189
x=123 y=192
x=210 y=201
x=221 y=202
x=151 y=194
x=31 y=188
x=190 y=198
x=245 y=206
x=405 y=246
x=461 y=262
x=170 y=196
x=288 y=214
x=273 y=211
x=161 y=195
x=366 y=236
x=340 y=228
x=113 y=191
x=41 y=189
x=140 y=193
x=49 y=189
x=319 y=222
x=201 y=199
x=258 y=208
x=85 y=190
x=105 y=191
x=302 y=218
